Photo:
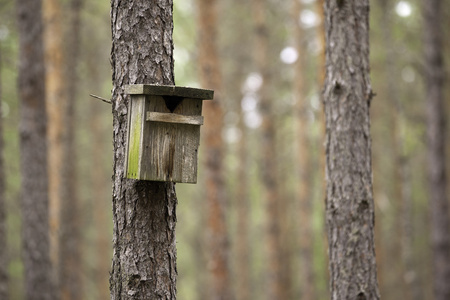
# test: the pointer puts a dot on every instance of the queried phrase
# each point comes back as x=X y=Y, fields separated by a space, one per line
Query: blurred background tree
x=295 y=61
x=3 y=250
x=34 y=192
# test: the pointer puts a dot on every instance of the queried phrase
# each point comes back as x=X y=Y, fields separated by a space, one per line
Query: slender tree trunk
x=414 y=290
x=4 y=248
x=101 y=204
x=349 y=201
x=99 y=177
x=210 y=76
x=144 y=212
x=70 y=240
x=242 y=271
x=33 y=148
x=303 y=159
x=243 y=246
x=200 y=261
x=320 y=6
x=436 y=136
x=243 y=291
x=55 y=103
x=394 y=260
x=268 y=154
x=100 y=182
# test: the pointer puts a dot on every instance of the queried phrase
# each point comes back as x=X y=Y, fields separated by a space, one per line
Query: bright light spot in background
x=403 y=9
x=315 y=102
x=4 y=32
x=408 y=74
x=308 y=18
x=185 y=6
x=249 y=102
x=253 y=83
x=181 y=55
x=253 y=119
x=233 y=135
x=182 y=58
x=289 y=55
x=307 y=1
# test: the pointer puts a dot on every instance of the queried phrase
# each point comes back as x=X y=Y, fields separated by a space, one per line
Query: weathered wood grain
x=174 y=118
x=163 y=146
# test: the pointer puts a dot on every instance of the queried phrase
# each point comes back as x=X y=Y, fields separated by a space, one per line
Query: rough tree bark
x=33 y=148
x=144 y=212
x=211 y=78
x=436 y=136
x=70 y=235
x=3 y=249
x=349 y=200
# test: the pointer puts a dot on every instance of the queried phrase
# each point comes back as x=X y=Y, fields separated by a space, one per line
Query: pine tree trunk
x=4 y=248
x=55 y=103
x=268 y=155
x=436 y=136
x=304 y=165
x=395 y=115
x=210 y=77
x=320 y=6
x=243 y=290
x=243 y=247
x=70 y=233
x=101 y=205
x=33 y=148
x=99 y=177
x=349 y=201
x=144 y=212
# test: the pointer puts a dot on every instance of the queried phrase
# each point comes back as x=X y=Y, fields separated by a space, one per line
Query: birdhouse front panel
x=164 y=132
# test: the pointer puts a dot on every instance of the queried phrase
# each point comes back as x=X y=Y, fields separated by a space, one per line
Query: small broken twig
x=100 y=98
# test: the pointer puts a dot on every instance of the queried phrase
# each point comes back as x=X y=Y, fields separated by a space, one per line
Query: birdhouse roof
x=169 y=90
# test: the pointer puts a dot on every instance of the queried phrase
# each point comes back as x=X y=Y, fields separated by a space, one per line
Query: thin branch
x=100 y=98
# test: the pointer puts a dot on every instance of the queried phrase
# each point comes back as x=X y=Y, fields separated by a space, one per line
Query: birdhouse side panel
x=189 y=137
x=135 y=137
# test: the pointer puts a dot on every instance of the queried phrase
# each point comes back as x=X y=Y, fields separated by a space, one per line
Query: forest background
x=295 y=38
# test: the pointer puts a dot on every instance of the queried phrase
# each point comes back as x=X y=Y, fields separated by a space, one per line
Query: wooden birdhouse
x=164 y=132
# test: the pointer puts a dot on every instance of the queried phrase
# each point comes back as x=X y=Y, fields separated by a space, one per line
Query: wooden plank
x=135 y=138
x=170 y=152
x=174 y=118
x=169 y=90
x=166 y=149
